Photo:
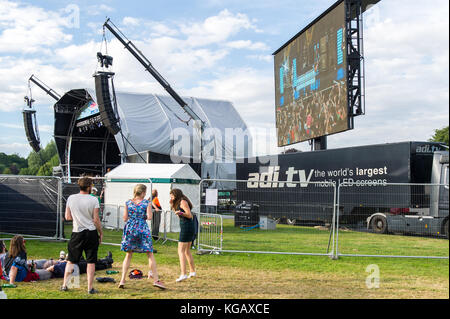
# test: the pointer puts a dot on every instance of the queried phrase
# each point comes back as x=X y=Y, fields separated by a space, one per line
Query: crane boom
x=149 y=67
x=44 y=87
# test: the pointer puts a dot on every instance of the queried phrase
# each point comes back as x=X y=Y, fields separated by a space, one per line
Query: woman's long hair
x=139 y=189
x=179 y=196
x=16 y=246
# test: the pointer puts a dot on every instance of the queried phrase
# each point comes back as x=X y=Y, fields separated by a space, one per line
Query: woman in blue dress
x=136 y=234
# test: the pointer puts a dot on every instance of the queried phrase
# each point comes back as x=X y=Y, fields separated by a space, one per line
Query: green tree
x=26 y=171
x=45 y=170
x=54 y=161
x=7 y=171
x=440 y=135
x=35 y=160
x=14 y=169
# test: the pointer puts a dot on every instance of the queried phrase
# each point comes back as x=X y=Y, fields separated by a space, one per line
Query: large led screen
x=310 y=81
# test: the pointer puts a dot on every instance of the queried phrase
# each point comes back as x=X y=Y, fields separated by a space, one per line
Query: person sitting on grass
x=57 y=269
x=15 y=267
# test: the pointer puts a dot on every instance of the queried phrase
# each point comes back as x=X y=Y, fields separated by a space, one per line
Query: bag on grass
x=105 y=279
x=135 y=274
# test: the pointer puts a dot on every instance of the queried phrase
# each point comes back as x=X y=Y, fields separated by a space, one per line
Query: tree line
x=37 y=163
x=42 y=162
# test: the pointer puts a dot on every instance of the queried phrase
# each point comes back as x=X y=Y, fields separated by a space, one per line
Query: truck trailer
x=395 y=187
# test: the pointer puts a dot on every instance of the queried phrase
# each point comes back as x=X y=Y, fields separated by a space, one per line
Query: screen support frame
x=355 y=59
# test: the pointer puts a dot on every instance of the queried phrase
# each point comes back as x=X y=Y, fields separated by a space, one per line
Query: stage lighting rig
x=105 y=60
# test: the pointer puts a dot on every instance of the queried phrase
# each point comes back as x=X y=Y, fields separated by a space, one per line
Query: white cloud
x=15 y=148
x=216 y=29
x=101 y=9
x=26 y=35
x=259 y=57
x=247 y=44
x=10 y=125
x=130 y=21
x=250 y=90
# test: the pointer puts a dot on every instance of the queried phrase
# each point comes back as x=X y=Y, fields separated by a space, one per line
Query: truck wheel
x=379 y=224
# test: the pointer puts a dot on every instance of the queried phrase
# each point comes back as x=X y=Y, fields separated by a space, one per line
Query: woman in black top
x=182 y=207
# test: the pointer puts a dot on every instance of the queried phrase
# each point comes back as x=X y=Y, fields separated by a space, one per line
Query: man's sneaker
x=181 y=278
x=192 y=274
x=93 y=291
x=64 y=288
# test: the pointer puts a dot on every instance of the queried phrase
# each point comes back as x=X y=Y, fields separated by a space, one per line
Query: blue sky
x=222 y=49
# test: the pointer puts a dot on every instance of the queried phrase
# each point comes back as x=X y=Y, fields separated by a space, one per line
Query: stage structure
x=85 y=145
x=29 y=113
x=169 y=129
x=97 y=130
x=319 y=76
x=151 y=131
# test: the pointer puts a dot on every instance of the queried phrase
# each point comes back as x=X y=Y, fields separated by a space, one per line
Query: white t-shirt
x=82 y=208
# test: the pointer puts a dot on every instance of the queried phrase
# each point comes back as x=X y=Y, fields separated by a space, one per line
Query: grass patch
x=244 y=275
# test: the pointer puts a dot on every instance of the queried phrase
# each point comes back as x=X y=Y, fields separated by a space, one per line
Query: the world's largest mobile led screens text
x=310 y=82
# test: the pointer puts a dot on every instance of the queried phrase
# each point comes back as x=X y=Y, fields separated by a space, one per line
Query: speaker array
x=29 y=130
x=107 y=114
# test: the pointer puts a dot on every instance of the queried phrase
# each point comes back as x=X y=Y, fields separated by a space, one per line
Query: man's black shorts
x=87 y=241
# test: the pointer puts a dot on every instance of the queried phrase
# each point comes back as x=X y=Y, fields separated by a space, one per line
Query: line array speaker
x=107 y=114
x=29 y=130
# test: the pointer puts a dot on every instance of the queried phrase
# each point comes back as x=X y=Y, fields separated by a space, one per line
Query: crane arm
x=44 y=87
x=149 y=67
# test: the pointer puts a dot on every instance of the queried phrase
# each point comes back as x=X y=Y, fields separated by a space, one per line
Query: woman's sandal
x=121 y=286
x=159 y=284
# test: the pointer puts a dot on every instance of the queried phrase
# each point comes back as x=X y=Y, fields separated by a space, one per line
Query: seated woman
x=14 y=265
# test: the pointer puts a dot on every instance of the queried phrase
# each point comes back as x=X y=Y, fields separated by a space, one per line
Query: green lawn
x=246 y=275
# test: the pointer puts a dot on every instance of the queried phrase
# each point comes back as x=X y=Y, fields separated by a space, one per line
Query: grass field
x=245 y=276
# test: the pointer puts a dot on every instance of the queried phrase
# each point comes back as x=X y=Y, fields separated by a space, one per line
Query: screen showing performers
x=310 y=82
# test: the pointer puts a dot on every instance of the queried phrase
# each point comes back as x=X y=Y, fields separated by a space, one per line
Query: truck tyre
x=379 y=224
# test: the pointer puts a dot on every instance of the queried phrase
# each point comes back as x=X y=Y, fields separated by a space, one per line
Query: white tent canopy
x=154 y=171
x=121 y=181
x=156 y=123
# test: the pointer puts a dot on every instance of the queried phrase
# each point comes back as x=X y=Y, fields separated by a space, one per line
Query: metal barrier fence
x=281 y=217
x=260 y=216
x=29 y=206
x=210 y=232
x=164 y=226
x=399 y=220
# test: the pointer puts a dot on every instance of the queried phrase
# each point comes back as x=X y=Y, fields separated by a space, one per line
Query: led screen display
x=310 y=81
x=88 y=110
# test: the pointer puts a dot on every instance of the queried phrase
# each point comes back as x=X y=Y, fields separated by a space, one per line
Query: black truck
x=295 y=187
